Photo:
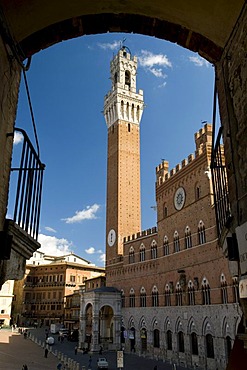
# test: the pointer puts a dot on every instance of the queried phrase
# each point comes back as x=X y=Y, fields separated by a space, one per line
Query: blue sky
x=67 y=84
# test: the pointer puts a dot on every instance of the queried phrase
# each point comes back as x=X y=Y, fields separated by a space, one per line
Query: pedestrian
x=75 y=350
x=46 y=353
x=100 y=350
x=90 y=362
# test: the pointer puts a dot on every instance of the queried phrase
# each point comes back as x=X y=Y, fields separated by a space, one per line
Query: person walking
x=90 y=362
x=75 y=350
x=46 y=352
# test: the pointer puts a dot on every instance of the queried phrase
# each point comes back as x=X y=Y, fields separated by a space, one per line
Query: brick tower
x=123 y=108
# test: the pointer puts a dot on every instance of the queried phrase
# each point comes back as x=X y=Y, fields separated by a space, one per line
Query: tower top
x=123 y=102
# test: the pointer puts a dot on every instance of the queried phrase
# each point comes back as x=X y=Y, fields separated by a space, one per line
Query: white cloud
x=53 y=246
x=18 y=138
x=148 y=60
x=85 y=214
x=112 y=46
x=102 y=257
x=157 y=72
x=199 y=61
x=90 y=250
x=48 y=228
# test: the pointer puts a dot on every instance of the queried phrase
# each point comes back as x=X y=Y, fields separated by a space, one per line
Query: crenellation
x=140 y=235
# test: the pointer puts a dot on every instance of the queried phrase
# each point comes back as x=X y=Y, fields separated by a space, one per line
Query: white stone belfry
x=123 y=102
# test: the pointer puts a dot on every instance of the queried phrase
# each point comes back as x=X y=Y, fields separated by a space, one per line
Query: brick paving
x=16 y=351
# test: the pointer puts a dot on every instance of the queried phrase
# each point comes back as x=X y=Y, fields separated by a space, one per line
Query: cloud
x=48 y=228
x=148 y=60
x=102 y=257
x=199 y=61
x=155 y=64
x=112 y=46
x=53 y=246
x=92 y=250
x=85 y=214
x=18 y=138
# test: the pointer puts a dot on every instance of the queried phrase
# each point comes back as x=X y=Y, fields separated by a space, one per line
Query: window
x=191 y=294
x=180 y=341
x=165 y=211
x=169 y=340
x=228 y=346
x=166 y=246
x=72 y=278
x=155 y=297
x=131 y=255
x=132 y=298
x=209 y=346
x=122 y=298
x=115 y=77
x=153 y=250
x=235 y=289
x=224 y=296
x=127 y=78
x=156 y=335
x=197 y=192
x=142 y=253
x=2 y=311
x=201 y=233
x=167 y=295
x=176 y=242
x=179 y=295
x=205 y=292
x=187 y=238
x=194 y=344
x=143 y=298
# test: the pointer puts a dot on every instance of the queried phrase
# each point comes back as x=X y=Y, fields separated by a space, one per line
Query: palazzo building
x=171 y=292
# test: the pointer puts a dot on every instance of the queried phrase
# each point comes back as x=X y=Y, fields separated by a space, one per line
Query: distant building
x=40 y=296
x=170 y=290
x=6 y=297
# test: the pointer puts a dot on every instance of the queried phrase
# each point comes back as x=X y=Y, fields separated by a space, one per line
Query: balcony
x=19 y=239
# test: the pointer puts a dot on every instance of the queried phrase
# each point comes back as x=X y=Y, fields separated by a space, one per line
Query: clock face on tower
x=111 y=237
x=179 y=198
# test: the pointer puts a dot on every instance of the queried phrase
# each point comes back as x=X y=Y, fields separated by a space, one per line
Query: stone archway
x=100 y=324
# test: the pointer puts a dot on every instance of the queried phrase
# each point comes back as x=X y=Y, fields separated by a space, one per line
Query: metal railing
x=220 y=184
x=29 y=188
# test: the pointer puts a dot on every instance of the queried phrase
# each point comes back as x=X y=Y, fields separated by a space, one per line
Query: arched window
x=155 y=297
x=201 y=233
x=176 y=242
x=180 y=341
x=166 y=246
x=205 y=292
x=169 y=340
x=209 y=346
x=138 y=113
x=143 y=297
x=197 y=191
x=132 y=298
x=122 y=298
x=142 y=253
x=131 y=255
x=194 y=344
x=122 y=109
x=228 y=346
x=115 y=77
x=223 y=283
x=127 y=78
x=191 y=293
x=156 y=336
x=153 y=250
x=165 y=211
x=235 y=289
x=187 y=238
x=133 y=112
x=179 y=295
x=167 y=295
x=127 y=112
